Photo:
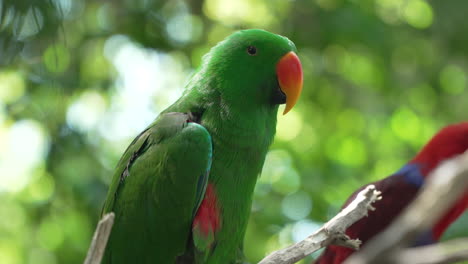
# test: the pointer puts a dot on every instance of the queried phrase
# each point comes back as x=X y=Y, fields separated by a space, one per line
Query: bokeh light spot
x=279 y=172
x=11 y=86
x=41 y=189
x=56 y=58
x=86 y=111
x=453 y=79
x=390 y=11
x=296 y=206
x=418 y=13
x=361 y=70
x=10 y=252
x=17 y=165
x=406 y=125
x=289 y=181
x=184 y=28
x=347 y=150
x=94 y=67
x=289 y=126
x=253 y=12
x=303 y=229
x=50 y=234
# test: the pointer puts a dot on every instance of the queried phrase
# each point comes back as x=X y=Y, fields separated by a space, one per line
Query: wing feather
x=157 y=187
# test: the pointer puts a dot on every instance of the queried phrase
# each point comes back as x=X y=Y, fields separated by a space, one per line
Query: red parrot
x=399 y=189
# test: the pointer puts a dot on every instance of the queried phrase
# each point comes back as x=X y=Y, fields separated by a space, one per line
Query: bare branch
x=440 y=253
x=100 y=237
x=444 y=186
x=331 y=233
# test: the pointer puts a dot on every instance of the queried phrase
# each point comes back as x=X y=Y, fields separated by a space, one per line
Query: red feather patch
x=207 y=220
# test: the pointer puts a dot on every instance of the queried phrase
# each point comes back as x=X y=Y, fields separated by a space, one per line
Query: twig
x=440 y=253
x=444 y=186
x=331 y=233
x=100 y=237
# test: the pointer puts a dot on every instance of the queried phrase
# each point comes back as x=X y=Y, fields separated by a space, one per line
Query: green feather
x=153 y=193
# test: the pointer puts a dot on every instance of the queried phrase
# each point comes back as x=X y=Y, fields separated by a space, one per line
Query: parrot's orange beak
x=289 y=72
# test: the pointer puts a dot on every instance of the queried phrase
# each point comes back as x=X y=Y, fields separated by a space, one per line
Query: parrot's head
x=255 y=68
x=449 y=142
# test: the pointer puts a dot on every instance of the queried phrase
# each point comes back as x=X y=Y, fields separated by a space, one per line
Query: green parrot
x=182 y=191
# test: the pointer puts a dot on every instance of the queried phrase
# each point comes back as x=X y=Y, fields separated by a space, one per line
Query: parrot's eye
x=252 y=50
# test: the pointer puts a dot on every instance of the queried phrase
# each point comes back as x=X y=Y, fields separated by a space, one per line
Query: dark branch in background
x=100 y=237
x=444 y=186
x=330 y=233
x=440 y=253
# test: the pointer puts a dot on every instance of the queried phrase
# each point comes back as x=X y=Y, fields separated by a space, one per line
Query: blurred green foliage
x=79 y=79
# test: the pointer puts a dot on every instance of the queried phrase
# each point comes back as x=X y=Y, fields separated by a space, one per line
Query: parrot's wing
x=157 y=188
